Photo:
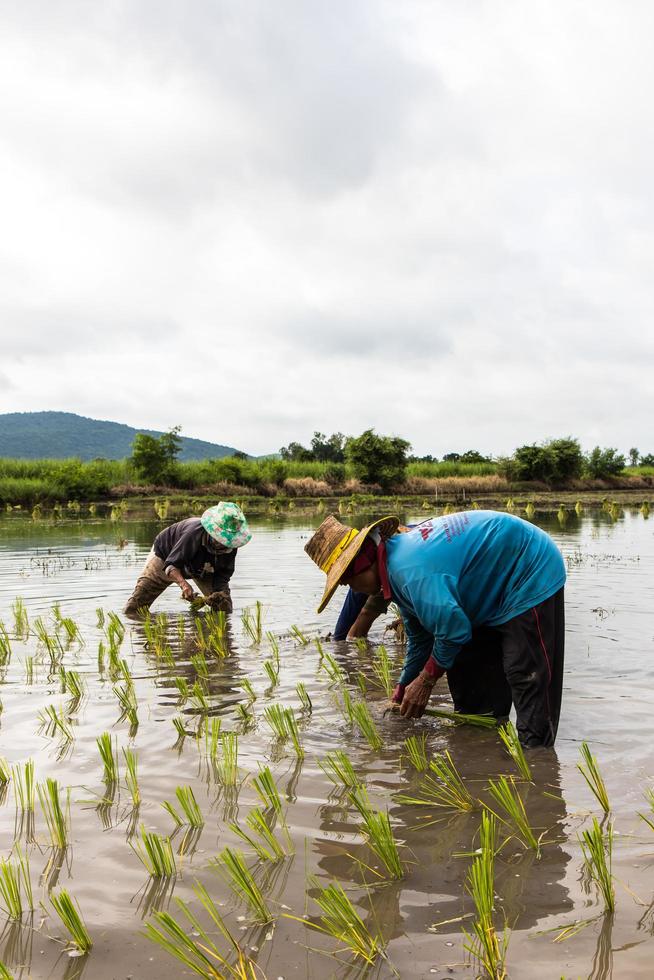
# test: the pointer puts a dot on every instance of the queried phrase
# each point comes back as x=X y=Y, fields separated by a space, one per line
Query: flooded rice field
x=186 y=699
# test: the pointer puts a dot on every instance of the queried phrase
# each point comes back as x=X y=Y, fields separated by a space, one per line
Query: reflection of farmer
x=199 y=548
x=481 y=596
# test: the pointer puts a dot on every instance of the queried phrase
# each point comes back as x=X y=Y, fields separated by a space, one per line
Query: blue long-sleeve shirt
x=457 y=572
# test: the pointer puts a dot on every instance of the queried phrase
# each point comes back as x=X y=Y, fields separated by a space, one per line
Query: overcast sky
x=259 y=219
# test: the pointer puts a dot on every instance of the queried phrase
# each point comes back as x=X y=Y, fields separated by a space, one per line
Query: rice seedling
x=484 y=943
x=54 y=722
x=271 y=668
x=109 y=755
x=341 y=920
x=252 y=623
x=348 y=706
x=293 y=731
x=268 y=847
x=511 y=742
x=590 y=771
x=274 y=716
x=126 y=696
x=161 y=508
x=5 y=773
x=189 y=804
x=362 y=684
x=14 y=882
x=378 y=832
x=131 y=775
x=201 y=956
x=230 y=863
x=245 y=716
x=321 y=652
x=299 y=636
x=5 y=645
x=155 y=853
x=71 y=916
x=337 y=766
x=530 y=510
x=21 y=621
x=227 y=767
x=649 y=820
x=416 y=750
x=72 y=683
x=52 y=643
x=201 y=667
x=460 y=718
x=57 y=818
x=645 y=509
x=442 y=786
x=332 y=669
x=383 y=670
x=115 y=629
x=361 y=643
x=71 y=629
x=29 y=670
x=266 y=789
x=249 y=690
x=99 y=617
x=597 y=848
x=211 y=737
x=364 y=722
x=198 y=697
x=506 y=795
x=182 y=686
x=305 y=700
x=24 y=786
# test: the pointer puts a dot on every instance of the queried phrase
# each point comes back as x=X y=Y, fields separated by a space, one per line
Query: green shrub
x=555 y=461
x=378 y=459
x=601 y=463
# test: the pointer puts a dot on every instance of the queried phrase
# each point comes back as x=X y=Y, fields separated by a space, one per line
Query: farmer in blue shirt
x=481 y=596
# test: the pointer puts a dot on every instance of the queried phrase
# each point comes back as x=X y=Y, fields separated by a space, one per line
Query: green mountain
x=59 y=435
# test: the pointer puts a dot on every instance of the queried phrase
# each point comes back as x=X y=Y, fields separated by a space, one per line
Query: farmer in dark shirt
x=200 y=548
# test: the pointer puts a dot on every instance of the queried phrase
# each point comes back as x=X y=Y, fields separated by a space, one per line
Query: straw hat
x=335 y=545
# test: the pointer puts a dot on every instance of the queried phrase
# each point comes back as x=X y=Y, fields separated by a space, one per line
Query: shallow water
x=608 y=701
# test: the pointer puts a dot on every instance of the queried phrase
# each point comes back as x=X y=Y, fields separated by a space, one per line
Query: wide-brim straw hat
x=335 y=545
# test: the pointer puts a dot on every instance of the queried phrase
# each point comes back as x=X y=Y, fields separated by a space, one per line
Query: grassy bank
x=29 y=483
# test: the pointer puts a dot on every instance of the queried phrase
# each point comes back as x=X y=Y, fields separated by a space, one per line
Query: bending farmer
x=481 y=596
x=200 y=548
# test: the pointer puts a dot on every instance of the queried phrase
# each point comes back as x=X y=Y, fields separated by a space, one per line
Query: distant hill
x=58 y=435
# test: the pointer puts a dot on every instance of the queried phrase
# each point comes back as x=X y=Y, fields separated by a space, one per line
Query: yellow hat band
x=339 y=549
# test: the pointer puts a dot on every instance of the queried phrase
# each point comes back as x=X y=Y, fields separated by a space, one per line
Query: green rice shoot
x=378 y=832
x=24 y=786
x=443 y=786
x=109 y=756
x=364 y=722
x=57 y=817
x=597 y=848
x=509 y=736
x=483 y=943
x=231 y=865
x=508 y=798
x=155 y=853
x=70 y=914
x=590 y=771
x=415 y=747
x=305 y=701
x=131 y=775
x=337 y=766
x=341 y=920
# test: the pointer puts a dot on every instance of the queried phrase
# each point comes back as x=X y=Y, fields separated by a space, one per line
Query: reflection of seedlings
x=305 y=700
x=202 y=956
x=54 y=722
x=131 y=775
x=446 y=790
x=231 y=865
x=507 y=796
x=71 y=916
x=245 y=715
x=378 y=832
x=189 y=806
x=416 y=750
x=597 y=847
x=21 y=621
x=268 y=848
x=155 y=853
x=252 y=622
x=29 y=670
x=57 y=818
x=383 y=670
x=511 y=742
x=298 y=635
x=341 y=920
x=14 y=882
x=338 y=767
x=364 y=722
x=484 y=944
x=590 y=771
x=109 y=755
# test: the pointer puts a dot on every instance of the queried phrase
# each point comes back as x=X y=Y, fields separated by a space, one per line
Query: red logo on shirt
x=425 y=530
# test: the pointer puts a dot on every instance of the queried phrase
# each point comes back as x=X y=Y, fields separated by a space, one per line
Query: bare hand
x=187 y=592
x=416 y=696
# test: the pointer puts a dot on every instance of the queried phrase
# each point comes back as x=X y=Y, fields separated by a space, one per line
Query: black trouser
x=519 y=662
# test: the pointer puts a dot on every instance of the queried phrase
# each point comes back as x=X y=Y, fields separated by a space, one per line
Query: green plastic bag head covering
x=226 y=524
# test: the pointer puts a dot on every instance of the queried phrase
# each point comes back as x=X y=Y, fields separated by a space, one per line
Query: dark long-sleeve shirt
x=187 y=546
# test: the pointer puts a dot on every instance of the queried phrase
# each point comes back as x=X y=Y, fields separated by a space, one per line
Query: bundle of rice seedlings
x=511 y=742
x=266 y=789
x=506 y=795
x=416 y=751
x=253 y=622
x=199 y=697
x=4 y=973
x=131 y=775
x=202 y=956
x=14 y=881
x=21 y=620
x=483 y=943
x=293 y=731
x=5 y=645
x=267 y=847
x=71 y=629
x=189 y=806
x=155 y=853
x=590 y=771
x=383 y=670
x=211 y=737
x=126 y=696
x=24 y=786
x=227 y=767
x=459 y=718
x=332 y=669
x=73 y=683
x=249 y=690
x=230 y=863
x=71 y=916
x=57 y=818
x=298 y=635
x=337 y=766
x=303 y=695
x=597 y=848
x=52 y=643
x=109 y=755
x=54 y=722
x=5 y=772
x=184 y=691
x=444 y=788
x=342 y=921
x=365 y=724
x=348 y=706
x=271 y=668
x=200 y=665
x=29 y=670
x=378 y=832
x=649 y=820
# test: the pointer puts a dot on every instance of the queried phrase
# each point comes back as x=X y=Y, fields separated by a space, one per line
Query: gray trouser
x=153 y=581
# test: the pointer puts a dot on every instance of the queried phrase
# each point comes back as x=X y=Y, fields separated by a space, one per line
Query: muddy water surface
x=608 y=701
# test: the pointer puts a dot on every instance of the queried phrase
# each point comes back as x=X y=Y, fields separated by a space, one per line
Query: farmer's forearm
x=361 y=625
x=176 y=576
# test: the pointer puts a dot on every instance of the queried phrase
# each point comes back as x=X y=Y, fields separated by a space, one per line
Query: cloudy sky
x=259 y=219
